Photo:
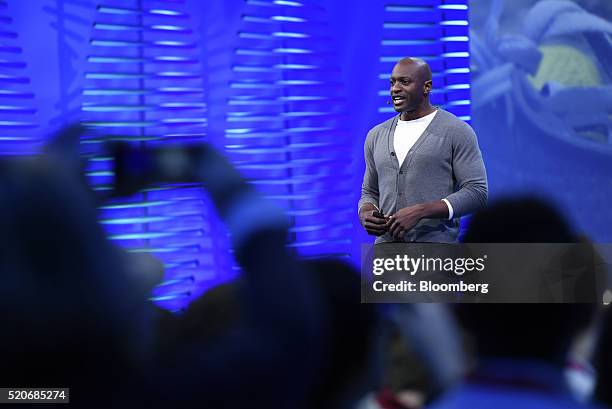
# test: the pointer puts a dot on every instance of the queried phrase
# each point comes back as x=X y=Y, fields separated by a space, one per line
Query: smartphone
x=378 y=214
x=135 y=168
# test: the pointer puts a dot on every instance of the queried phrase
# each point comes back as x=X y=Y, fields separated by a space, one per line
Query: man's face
x=407 y=87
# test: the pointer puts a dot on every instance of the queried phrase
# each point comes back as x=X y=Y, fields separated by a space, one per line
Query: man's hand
x=406 y=218
x=375 y=226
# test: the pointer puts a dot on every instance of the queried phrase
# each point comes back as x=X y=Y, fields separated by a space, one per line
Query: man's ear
x=427 y=87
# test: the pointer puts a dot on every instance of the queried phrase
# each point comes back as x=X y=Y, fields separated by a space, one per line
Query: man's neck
x=420 y=112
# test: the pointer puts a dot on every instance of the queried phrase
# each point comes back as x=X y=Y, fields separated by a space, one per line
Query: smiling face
x=410 y=85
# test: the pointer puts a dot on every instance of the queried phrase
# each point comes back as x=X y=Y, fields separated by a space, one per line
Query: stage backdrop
x=288 y=90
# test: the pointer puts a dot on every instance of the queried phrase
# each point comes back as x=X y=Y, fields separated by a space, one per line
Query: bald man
x=424 y=169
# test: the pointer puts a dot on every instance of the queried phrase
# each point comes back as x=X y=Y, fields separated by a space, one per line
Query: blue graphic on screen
x=542 y=99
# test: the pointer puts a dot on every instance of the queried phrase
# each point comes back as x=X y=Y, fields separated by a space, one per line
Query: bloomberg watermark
x=504 y=272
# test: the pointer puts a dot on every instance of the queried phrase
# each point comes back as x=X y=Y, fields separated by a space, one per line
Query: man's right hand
x=375 y=226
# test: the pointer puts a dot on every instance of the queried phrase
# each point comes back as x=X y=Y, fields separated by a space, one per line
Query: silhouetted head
x=351 y=349
x=519 y=220
x=70 y=313
x=534 y=331
x=206 y=319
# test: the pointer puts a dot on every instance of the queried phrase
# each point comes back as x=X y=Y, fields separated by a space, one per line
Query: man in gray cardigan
x=424 y=169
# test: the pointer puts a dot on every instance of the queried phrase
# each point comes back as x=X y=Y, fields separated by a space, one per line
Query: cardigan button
x=392 y=153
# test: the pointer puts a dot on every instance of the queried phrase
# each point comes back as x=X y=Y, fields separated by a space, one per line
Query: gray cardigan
x=445 y=162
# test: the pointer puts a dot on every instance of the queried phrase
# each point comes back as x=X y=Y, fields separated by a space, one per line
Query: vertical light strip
x=438 y=32
x=143 y=85
x=17 y=102
x=285 y=122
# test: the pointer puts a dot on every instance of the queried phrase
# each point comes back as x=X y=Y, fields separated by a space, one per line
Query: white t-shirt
x=407 y=133
x=405 y=136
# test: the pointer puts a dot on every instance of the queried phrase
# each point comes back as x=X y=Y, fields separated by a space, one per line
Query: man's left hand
x=405 y=219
